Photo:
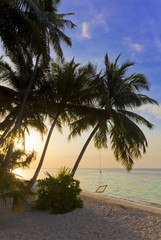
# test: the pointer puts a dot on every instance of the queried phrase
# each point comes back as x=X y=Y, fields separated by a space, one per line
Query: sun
x=18 y=172
x=32 y=141
x=18 y=143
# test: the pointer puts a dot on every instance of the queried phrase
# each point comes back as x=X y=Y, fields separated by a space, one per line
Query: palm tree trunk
x=32 y=181
x=19 y=117
x=83 y=150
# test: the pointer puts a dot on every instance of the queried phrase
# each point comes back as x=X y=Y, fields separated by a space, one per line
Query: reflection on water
x=142 y=185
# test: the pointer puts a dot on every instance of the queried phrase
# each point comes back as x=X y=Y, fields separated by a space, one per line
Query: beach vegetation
x=59 y=194
x=13 y=190
x=12 y=187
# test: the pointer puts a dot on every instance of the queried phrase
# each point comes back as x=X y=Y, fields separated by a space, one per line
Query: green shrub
x=59 y=194
x=14 y=189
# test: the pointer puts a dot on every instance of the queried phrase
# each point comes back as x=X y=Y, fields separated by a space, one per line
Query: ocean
x=140 y=185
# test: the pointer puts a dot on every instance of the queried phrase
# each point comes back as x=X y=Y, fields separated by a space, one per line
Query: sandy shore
x=101 y=218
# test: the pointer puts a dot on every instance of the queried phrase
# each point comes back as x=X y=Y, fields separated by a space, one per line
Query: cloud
x=157 y=43
x=137 y=47
x=85 y=30
x=155 y=34
x=98 y=22
x=152 y=110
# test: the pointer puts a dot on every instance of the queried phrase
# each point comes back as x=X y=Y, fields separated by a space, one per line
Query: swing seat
x=101 y=189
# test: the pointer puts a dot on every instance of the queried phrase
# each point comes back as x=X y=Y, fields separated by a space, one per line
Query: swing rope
x=100 y=163
x=101 y=188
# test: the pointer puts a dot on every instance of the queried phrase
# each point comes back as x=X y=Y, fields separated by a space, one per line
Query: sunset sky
x=132 y=28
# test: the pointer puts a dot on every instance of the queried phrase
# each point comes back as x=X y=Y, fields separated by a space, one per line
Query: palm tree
x=11 y=95
x=67 y=91
x=23 y=24
x=117 y=94
x=44 y=17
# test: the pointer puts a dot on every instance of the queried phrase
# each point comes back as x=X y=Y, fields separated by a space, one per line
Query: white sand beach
x=101 y=218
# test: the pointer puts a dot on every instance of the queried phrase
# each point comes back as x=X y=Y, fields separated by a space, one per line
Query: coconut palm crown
x=29 y=24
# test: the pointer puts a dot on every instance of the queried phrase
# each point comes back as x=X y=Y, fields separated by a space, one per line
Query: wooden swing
x=101 y=188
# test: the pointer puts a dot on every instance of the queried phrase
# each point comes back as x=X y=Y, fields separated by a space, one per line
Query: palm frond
x=100 y=138
x=137 y=118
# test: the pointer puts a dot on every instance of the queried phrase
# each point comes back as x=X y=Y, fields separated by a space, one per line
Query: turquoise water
x=140 y=185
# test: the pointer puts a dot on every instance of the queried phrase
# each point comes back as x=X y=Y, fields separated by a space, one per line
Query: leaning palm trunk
x=19 y=117
x=32 y=181
x=83 y=150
